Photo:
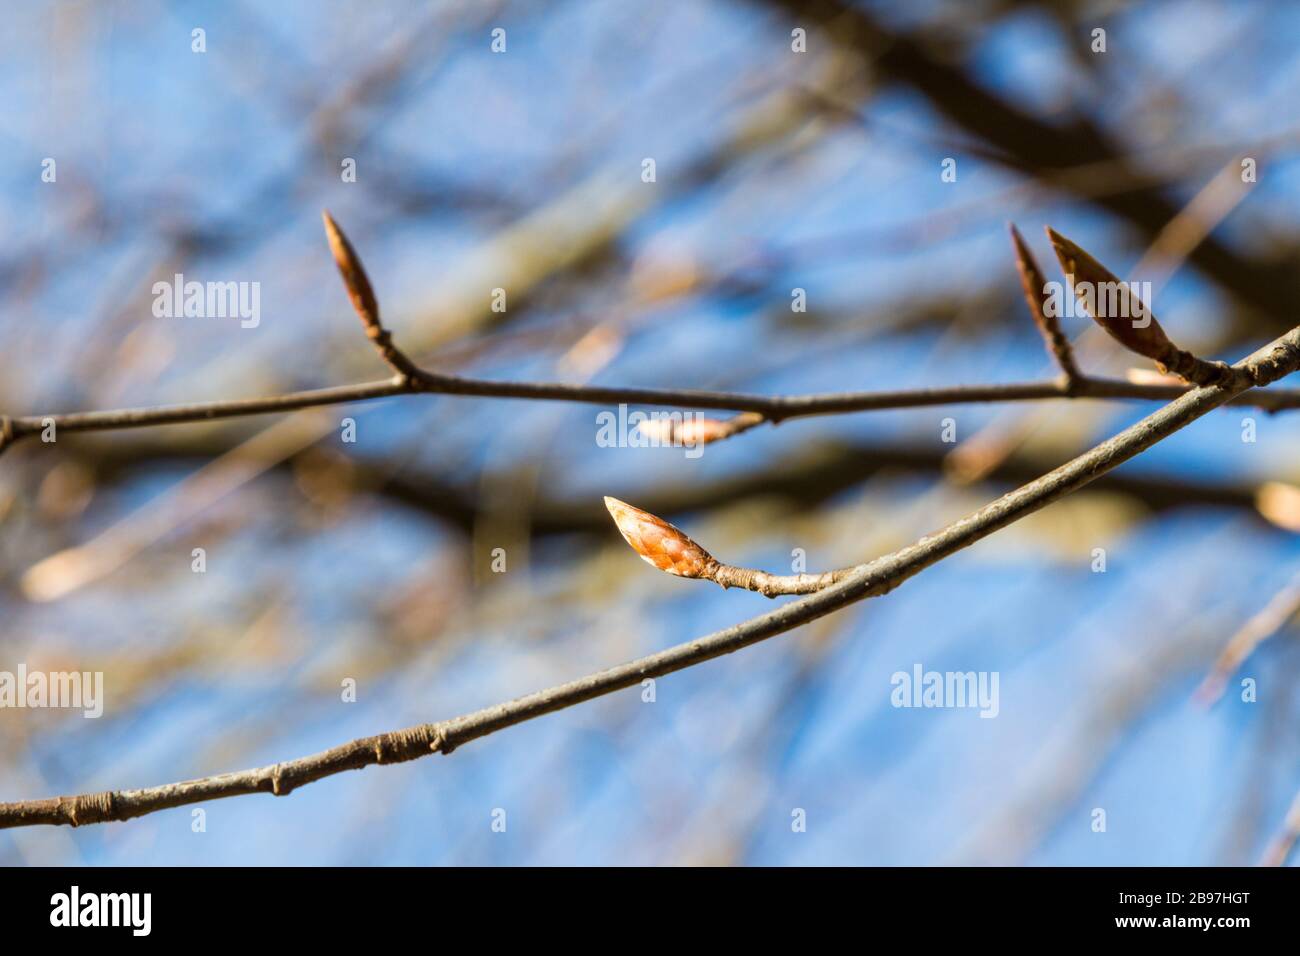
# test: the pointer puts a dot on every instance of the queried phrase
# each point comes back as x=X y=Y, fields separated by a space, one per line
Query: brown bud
x=1111 y=302
x=659 y=543
x=1035 y=286
x=354 y=276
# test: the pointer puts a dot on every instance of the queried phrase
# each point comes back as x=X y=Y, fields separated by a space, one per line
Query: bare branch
x=1284 y=842
x=755 y=409
x=772 y=407
x=871 y=579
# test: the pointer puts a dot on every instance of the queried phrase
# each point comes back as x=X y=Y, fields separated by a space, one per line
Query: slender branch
x=774 y=408
x=871 y=579
x=754 y=409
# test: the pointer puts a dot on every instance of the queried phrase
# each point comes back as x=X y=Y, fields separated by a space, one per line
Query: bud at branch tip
x=659 y=543
x=363 y=299
x=354 y=276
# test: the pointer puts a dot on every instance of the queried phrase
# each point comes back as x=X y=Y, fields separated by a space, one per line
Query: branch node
x=1279 y=362
x=442 y=743
x=277 y=788
x=90 y=808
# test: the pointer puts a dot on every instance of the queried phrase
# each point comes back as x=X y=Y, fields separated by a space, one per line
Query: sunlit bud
x=659 y=543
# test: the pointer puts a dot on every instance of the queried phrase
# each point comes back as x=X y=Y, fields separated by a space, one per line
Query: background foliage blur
x=775 y=170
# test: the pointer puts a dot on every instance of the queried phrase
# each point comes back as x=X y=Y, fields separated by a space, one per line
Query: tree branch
x=754 y=409
x=774 y=408
x=867 y=580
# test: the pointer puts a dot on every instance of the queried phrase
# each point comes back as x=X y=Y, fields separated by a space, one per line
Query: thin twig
x=755 y=409
x=872 y=579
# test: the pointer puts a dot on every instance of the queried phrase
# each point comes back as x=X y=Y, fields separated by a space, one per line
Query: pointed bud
x=1035 y=287
x=1111 y=302
x=354 y=276
x=659 y=543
